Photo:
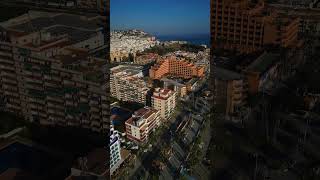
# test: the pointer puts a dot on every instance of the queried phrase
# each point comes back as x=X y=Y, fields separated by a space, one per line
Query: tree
x=131 y=57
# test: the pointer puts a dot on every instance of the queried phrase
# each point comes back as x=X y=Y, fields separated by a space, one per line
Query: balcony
x=105 y=106
x=68 y=83
x=7 y=60
x=13 y=106
x=10 y=88
x=55 y=78
x=94 y=110
x=106 y=120
x=8 y=67
x=50 y=84
x=94 y=117
x=96 y=123
x=93 y=103
x=6 y=93
x=237 y=100
x=237 y=96
x=33 y=87
x=7 y=74
x=46 y=122
x=83 y=99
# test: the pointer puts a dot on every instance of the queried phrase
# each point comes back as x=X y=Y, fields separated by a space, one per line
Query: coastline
x=198 y=39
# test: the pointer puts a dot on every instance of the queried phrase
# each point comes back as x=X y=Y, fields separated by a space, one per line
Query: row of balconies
x=7 y=66
x=5 y=73
x=13 y=107
x=9 y=82
x=6 y=60
x=8 y=87
x=13 y=94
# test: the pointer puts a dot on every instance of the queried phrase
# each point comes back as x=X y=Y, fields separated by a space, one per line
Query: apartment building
x=127 y=83
x=47 y=72
x=104 y=6
x=173 y=66
x=248 y=26
x=142 y=123
x=164 y=100
x=230 y=91
x=115 y=150
x=261 y=71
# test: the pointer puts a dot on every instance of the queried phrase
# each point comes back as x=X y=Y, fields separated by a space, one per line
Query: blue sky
x=161 y=17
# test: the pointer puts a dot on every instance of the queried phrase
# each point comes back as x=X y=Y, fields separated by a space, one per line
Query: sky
x=161 y=17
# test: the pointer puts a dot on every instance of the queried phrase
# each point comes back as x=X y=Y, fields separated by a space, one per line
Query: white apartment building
x=164 y=100
x=127 y=84
x=115 y=150
x=142 y=123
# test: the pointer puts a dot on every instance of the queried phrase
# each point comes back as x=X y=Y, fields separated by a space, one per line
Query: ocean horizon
x=198 y=39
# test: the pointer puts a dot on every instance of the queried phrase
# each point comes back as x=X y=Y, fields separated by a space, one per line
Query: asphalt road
x=163 y=140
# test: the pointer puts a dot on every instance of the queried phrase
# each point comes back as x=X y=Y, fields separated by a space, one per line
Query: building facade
x=164 y=100
x=115 y=150
x=175 y=67
x=49 y=75
x=230 y=91
x=127 y=84
x=142 y=123
x=247 y=27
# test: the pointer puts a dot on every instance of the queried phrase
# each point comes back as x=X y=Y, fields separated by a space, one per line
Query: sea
x=198 y=39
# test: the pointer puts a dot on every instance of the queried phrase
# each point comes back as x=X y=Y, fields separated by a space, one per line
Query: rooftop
x=162 y=93
x=224 y=74
x=127 y=69
x=263 y=62
x=138 y=117
x=36 y=22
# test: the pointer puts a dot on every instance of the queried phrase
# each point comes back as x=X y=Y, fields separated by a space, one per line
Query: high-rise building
x=127 y=83
x=247 y=26
x=230 y=91
x=142 y=123
x=175 y=67
x=164 y=100
x=49 y=71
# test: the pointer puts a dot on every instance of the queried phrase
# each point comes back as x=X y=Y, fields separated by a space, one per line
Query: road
x=163 y=141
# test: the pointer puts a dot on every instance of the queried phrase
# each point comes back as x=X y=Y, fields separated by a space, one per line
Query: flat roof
x=69 y=20
x=224 y=74
x=263 y=62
